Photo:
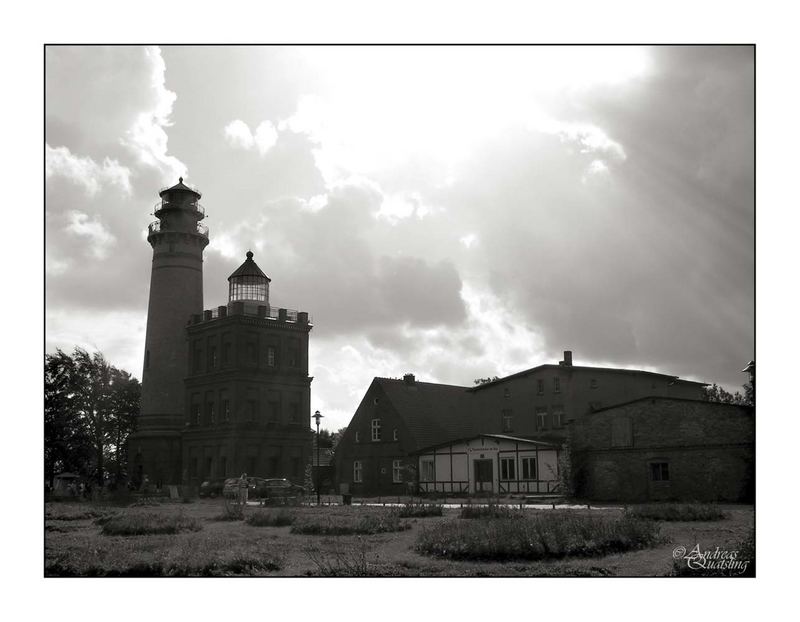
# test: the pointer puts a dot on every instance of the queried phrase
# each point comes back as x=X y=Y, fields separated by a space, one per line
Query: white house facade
x=489 y=464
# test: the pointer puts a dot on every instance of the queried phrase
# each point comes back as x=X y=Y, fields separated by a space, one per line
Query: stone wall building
x=398 y=418
x=226 y=390
x=663 y=448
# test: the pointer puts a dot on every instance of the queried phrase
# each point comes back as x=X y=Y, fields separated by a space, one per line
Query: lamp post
x=317 y=417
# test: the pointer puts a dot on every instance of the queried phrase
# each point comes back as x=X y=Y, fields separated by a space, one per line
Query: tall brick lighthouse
x=224 y=390
x=176 y=293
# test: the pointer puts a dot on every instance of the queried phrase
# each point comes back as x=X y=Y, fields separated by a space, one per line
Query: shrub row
x=146 y=523
x=349 y=525
x=677 y=512
x=419 y=510
x=550 y=535
x=236 y=564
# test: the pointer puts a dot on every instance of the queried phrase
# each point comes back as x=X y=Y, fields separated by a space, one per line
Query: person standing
x=243 y=484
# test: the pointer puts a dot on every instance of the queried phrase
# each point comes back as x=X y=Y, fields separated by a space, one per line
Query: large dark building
x=594 y=432
x=224 y=391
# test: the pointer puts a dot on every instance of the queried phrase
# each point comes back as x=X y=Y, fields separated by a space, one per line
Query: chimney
x=409 y=379
x=568 y=358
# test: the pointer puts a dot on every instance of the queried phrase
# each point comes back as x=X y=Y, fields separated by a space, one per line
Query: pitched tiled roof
x=553 y=443
x=532 y=370
x=433 y=413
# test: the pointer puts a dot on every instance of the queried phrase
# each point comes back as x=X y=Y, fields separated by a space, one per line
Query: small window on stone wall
x=621 y=432
x=659 y=471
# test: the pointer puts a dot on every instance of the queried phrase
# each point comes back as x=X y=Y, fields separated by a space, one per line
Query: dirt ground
x=74 y=545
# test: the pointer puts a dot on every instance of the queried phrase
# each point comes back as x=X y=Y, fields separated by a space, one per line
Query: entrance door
x=484 y=475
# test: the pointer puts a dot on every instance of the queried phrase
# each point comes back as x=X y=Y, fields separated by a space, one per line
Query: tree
x=479 y=381
x=716 y=393
x=90 y=410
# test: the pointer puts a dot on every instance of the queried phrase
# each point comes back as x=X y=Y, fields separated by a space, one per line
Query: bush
x=350 y=525
x=269 y=518
x=550 y=535
x=72 y=512
x=140 y=524
x=493 y=510
x=677 y=512
x=420 y=510
x=342 y=562
x=236 y=563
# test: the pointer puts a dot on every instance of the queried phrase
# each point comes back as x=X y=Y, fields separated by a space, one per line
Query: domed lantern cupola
x=248 y=284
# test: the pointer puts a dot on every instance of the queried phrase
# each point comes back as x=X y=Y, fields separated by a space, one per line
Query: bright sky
x=455 y=212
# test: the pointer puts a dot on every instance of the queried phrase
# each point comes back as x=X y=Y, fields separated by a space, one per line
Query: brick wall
x=708 y=449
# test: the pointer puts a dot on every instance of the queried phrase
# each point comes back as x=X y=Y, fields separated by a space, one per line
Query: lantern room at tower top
x=179 y=210
x=248 y=283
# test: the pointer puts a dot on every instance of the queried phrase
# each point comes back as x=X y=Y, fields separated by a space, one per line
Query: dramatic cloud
x=239 y=135
x=454 y=212
x=85 y=171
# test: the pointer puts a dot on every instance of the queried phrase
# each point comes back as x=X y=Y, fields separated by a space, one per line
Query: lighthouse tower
x=176 y=293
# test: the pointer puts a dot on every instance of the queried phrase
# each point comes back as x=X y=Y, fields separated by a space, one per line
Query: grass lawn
x=75 y=543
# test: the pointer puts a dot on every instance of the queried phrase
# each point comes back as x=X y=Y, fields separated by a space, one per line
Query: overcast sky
x=455 y=212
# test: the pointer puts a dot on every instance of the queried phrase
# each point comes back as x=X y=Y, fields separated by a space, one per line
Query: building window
x=508 y=469
x=212 y=357
x=252 y=356
x=357 y=471
x=397 y=471
x=659 y=471
x=274 y=412
x=358 y=437
x=540 y=387
x=376 y=429
x=270 y=357
x=558 y=418
x=198 y=360
x=222 y=467
x=428 y=473
x=293 y=353
x=507 y=393
x=508 y=424
x=556 y=385
x=212 y=415
x=394 y=434
x=529 y=468
x=209 y=466
x=593 y=383
x=622 y=432
x=294 y=412
x=196 y=414
x=226 y=353
x=225 y=410
x=541 y=419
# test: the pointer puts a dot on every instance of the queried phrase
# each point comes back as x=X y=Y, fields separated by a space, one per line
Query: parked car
x=279 y=488
x=260 y=488
x=212 y=488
